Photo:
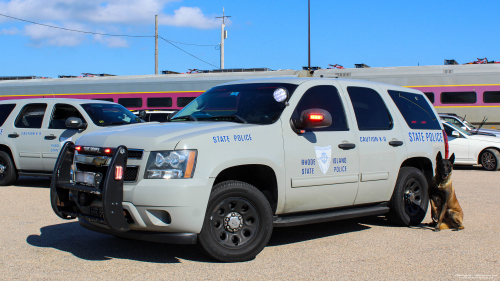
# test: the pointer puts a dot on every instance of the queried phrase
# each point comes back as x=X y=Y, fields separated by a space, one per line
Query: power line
x=185 y=51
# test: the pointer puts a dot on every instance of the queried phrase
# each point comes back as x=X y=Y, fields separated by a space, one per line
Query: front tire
x=490 y=159
x=410 y=199
x=238 y=222
x=8 y=174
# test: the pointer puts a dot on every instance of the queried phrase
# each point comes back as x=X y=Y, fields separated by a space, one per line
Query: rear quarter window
x=415 y=110
x=5 y=110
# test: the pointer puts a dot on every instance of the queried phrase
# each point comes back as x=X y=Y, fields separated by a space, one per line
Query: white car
x=472 y=149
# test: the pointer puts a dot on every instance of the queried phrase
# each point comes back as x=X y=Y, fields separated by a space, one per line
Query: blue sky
x=269 y=34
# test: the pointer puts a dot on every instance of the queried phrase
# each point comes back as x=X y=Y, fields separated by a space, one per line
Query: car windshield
x=468 y=124
x=108 y=114
x=242 y=103
x=459 y=129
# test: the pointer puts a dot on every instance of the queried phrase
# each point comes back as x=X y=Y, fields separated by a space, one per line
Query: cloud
x=190 y=17
x=108 y=16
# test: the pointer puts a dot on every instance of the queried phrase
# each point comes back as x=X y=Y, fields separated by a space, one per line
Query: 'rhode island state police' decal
x=324 y=157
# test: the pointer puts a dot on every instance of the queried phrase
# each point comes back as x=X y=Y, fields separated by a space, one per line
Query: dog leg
x=456 y=219
x=434 y=200
x=441 y=216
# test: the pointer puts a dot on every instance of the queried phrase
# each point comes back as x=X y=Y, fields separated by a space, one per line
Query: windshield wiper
x=233 y=116
x=190 y=117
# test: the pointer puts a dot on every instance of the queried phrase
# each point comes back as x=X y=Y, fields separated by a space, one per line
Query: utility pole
x=156 y=44
x=309 y=34
x=222 y=37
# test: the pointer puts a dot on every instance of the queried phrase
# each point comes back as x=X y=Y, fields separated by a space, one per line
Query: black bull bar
x=111 y=192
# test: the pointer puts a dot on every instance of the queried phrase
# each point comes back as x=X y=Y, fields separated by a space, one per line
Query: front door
x=319 y=173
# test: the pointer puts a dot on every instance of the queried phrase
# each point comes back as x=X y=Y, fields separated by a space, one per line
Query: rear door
x=458 y=143
x=27 y=136
x=55 y=133
x=319 y=173
x=381 y=145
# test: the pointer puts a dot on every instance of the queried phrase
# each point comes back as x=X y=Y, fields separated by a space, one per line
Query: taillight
x=446 y=146
x=118 y=173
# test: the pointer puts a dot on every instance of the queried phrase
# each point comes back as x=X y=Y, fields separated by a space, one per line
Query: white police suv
x=32 y=131
x=248 y=156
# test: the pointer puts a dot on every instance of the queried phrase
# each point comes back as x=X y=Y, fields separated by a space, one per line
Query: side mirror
x=142 y=114
x=455 y=134
x=311 y=118
x=75 y=123
x=171 y=115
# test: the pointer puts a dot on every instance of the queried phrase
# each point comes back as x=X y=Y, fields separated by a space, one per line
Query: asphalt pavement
x=36 y=244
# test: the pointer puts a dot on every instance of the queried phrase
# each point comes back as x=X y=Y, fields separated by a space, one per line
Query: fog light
x=118 y=173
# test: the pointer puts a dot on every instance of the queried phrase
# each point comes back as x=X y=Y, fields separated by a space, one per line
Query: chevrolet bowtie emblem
x=99 y=161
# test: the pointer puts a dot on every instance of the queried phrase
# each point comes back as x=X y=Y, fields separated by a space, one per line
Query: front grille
x=130 y=173
x=132 y=153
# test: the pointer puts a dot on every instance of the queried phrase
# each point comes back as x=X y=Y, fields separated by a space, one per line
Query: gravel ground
x=36 y=244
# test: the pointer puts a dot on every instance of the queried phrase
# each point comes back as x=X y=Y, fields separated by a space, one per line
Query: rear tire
x=8 y=173
x=238 y=222
x=410 y=199
x=490 y=159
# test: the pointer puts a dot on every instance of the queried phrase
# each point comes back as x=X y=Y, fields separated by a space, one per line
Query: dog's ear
x=439 y=157
x=452 y=158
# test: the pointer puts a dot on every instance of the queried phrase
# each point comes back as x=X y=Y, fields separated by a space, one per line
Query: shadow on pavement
x=35 y=182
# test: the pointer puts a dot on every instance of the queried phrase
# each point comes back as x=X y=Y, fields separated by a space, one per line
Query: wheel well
x=421 y=163
x=7 y=150
x=479 y=155
x=260 y=176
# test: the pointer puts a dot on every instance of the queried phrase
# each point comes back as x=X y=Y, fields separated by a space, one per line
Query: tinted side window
x=327 y=98
x=458 y=97
x=31 y=116
x=416 y=110
x=491 y=97
x=453 y=121
x=5 y=110
x=61 y=113
x=181 y=102
x=159 y=102
x=370 y=110
x=430 y=96
x=130 y=102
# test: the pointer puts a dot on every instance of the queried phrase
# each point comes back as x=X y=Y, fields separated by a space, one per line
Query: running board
x=34 y=174
x=332 y=215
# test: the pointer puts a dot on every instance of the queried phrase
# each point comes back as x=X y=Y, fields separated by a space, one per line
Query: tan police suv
x=248 y=156
x=32 y=131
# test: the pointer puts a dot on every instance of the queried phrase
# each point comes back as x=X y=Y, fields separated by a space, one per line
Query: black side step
x=332 y=215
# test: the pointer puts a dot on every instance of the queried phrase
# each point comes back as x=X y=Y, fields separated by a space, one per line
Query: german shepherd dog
x=445 y=210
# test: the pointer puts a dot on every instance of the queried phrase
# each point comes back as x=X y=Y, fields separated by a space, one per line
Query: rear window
x=370 y=110
x=5 y=110
x=181 y=102
x=130 y=102
x=159 y=102
x=491 y=97
x=415 y=110
x=31 y=116
x=458 y=97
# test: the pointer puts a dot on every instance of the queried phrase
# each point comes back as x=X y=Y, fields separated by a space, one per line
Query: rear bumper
x=152 y=236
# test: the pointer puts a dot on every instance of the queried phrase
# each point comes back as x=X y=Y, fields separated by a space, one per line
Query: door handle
x=396 y=143
x=347 y=146
x=50 y=137
x=14 y=135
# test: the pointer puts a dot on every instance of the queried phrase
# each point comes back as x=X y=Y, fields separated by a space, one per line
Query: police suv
x=248 y=156
x=32 y=131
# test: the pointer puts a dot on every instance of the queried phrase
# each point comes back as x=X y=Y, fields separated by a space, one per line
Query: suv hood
x=159 y=136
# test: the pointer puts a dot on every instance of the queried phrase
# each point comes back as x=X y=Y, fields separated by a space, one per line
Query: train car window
x=458 y=97
x=31 y=116
x=159 y=102
x=491 y=97
x=416 y=110
x=370 y=110
x=5 y=110
x=181 y=102
x=61 y=113
x=130 y=102
x=105 y=99
x=327 y=98
x=430 y=96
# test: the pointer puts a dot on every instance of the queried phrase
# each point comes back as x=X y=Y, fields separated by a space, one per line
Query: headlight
x=177 y=164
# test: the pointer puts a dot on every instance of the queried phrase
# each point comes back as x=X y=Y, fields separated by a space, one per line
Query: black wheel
x=490 y=159
x=8 y=173
x=410 y=199
x=238 y=222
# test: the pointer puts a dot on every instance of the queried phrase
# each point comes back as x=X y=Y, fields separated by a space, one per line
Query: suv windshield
x=104 y=114
x=243 y=103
